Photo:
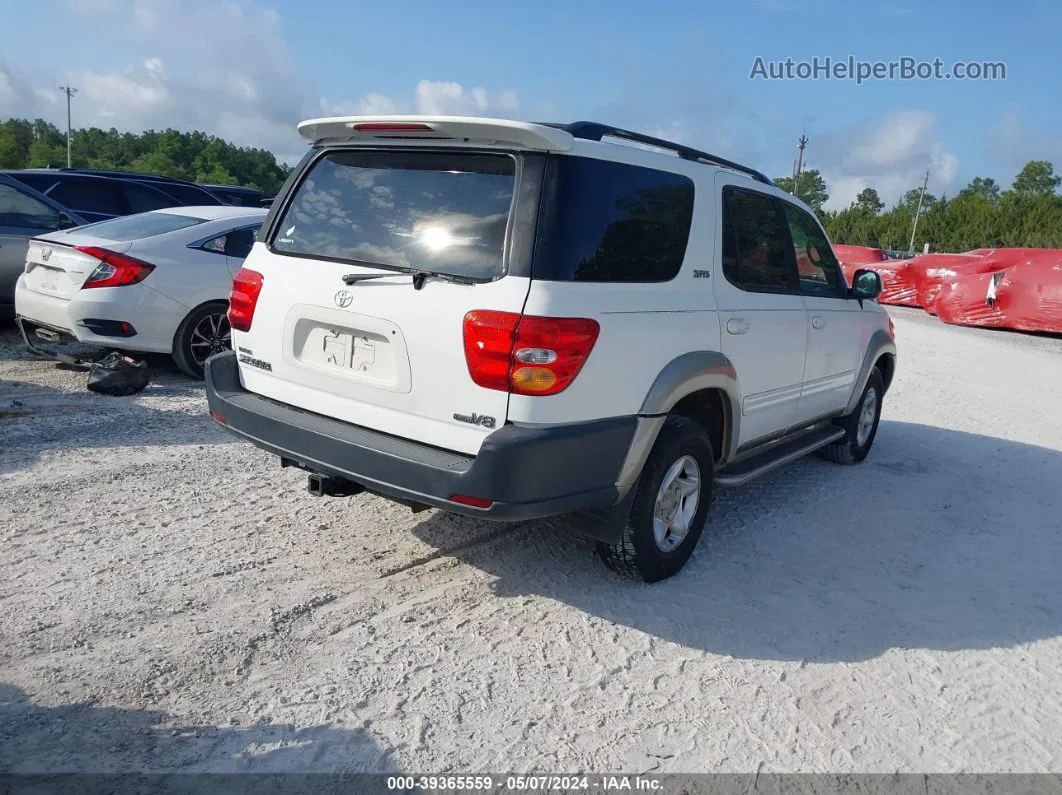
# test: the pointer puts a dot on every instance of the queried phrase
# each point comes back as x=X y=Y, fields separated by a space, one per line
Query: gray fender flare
x=682 y=376
x=880 y=344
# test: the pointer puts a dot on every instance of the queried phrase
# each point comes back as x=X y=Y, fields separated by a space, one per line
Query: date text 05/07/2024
x=551 y=783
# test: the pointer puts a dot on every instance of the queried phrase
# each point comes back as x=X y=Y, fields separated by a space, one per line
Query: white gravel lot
x=172 y=600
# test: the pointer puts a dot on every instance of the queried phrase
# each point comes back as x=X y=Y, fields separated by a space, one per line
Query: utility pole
x=801 y=143
x=914 y=226
x=69 y=94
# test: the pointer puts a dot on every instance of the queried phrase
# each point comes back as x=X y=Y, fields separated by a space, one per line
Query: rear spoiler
x=366 y=129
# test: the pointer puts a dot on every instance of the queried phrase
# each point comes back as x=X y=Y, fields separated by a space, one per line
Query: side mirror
x=66 y=222
x=866 y=285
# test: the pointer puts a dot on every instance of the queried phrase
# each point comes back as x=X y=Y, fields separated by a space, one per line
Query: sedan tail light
x=114 y=270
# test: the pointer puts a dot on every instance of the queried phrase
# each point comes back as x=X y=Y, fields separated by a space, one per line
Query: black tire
x=638 y=555
x=850 y=449
x=188 y=346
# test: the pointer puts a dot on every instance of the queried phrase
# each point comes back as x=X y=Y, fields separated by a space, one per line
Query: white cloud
x=247 y=88
x=890 y=154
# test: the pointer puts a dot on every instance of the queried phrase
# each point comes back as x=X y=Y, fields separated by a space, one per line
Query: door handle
x=737 y=325
x=818 y=321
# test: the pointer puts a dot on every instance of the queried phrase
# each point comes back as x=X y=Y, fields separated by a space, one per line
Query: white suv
x=515 y=320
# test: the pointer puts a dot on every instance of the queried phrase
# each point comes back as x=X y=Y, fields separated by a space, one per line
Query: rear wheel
x=861 y=425
x=204 y=332
x=670 y=505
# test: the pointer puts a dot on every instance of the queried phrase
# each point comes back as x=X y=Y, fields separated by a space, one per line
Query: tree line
x=981 y=215
x=193 y=156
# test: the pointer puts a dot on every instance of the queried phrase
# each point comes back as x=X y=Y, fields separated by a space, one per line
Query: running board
x=741 y=472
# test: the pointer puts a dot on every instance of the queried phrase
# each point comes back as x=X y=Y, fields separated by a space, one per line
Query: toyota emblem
x=46 y=254
x=344 y=298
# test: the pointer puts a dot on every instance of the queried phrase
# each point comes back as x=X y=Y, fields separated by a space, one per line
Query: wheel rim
x=676 y=503
x=867 y=417
x=210 y=335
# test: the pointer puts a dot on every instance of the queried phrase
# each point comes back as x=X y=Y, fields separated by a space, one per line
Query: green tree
x=10 y=155
x=809 y=188
x=983 y=187
x=156 y=162
x=1037 y=178
x=868 y=201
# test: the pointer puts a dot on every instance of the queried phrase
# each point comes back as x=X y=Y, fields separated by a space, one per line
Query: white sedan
x=155 y=282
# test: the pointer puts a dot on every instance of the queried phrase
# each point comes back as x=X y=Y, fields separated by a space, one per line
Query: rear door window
x=186 y=194
x=756 y=253
x=439 y=211
x=19 y=210
x=142 y=199
x=611 y=222
x=94 y=196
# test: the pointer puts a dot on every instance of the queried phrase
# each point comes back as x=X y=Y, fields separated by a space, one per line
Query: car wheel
x=204 y=332
x=861 y=426
x=670 y=505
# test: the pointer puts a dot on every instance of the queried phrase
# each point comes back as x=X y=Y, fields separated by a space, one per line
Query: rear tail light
x=246 y=287
x=114 y=270
x=524 y=354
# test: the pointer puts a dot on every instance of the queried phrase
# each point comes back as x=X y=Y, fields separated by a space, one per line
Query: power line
x=69 y=91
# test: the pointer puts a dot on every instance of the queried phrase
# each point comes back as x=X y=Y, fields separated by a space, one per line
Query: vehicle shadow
x=940 y=540
x=83 y=738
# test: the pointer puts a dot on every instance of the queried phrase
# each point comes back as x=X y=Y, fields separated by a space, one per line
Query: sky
x=250 y=70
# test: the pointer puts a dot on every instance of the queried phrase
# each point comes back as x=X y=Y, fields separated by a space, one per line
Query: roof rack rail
x=593 y=131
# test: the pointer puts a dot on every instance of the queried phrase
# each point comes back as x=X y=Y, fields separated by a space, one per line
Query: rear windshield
x=136 y=227
x=443 y=212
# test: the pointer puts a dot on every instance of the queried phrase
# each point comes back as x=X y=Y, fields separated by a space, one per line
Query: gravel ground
x=173 y=600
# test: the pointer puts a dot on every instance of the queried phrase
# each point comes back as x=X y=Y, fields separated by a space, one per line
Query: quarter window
x=817 y=267
x=238 y=243
x=612 y=222
x=755 y=244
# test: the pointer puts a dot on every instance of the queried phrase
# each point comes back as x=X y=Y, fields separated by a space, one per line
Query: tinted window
x=94 y=196
x=238 y=198
x=35 y=180
x=755 y=244
x=142 y=199
x=443 y=212
x=136 y=227
x=238 y=243
x=20 y=211
x=817 y=267
x=186 y=194
x=612 y=222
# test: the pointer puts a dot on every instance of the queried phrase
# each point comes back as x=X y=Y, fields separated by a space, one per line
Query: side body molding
x=880 y=343
x=684 y=375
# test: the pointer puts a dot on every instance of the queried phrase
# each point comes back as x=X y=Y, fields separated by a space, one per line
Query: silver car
x=24 y=213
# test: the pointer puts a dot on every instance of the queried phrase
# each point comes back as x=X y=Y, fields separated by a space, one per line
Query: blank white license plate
x=48 y=279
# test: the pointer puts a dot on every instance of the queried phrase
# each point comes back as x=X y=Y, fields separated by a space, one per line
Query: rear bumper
x=153 y=316
x=528 y=472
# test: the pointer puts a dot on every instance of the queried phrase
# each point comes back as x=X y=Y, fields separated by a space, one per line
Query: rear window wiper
x=419 y=275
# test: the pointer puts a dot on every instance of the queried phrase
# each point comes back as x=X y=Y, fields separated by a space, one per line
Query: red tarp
x=852 y=258
x=1016 y=288
x=1025 y=295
